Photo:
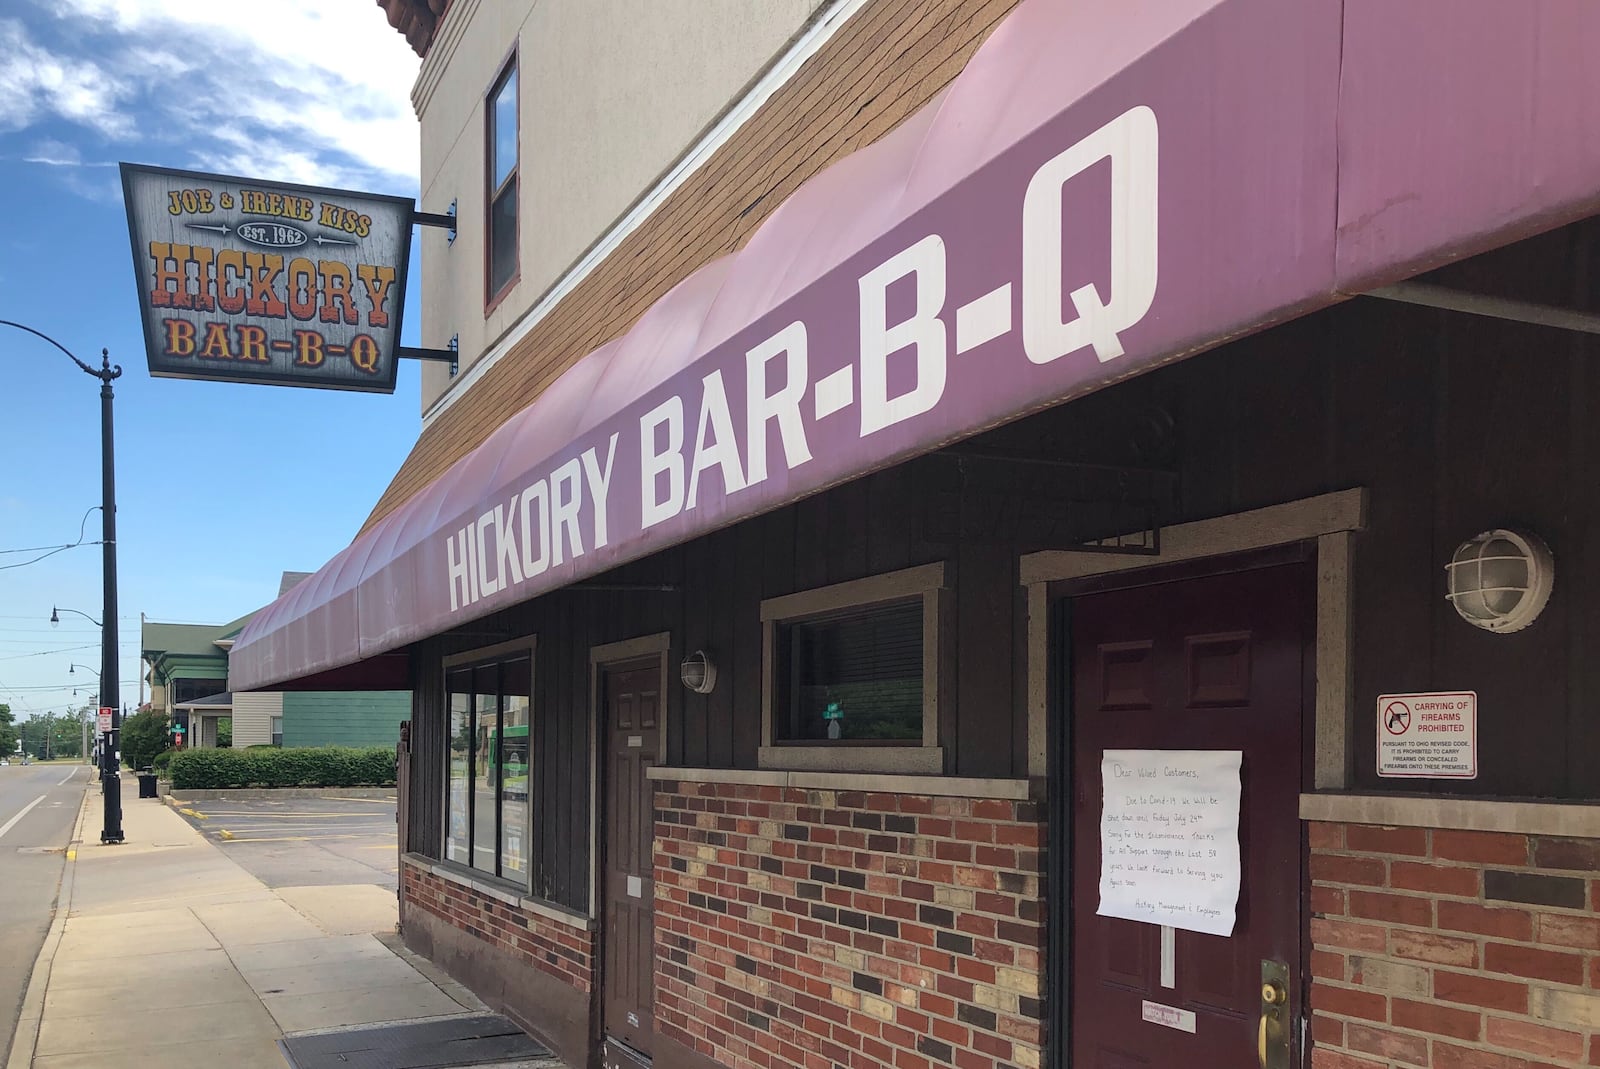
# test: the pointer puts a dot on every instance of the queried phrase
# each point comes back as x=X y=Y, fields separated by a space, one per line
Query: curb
x=26 y=1036
x=259 y=793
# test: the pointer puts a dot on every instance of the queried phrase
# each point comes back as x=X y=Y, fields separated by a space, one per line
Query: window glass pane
x=516 y=678
x=458 y=812
x=503 y=238
x=854 y=676
x=503 y=146
x=486 y=701
x=277 y=731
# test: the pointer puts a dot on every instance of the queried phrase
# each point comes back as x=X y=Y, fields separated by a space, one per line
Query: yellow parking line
x=292 y=838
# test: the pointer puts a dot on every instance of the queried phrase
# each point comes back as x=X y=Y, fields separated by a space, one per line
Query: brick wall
x=1453 y=949
x=823 y=928
x=560 y=950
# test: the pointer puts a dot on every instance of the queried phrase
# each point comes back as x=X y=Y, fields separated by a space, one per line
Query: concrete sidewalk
x=164 y=952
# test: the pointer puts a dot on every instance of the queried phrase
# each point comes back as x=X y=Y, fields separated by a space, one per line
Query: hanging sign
x=247 y=281
x=1169 y=837
x=1428 y=736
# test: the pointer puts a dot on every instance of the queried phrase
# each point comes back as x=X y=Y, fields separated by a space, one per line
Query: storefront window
x=517 y=677
x=458 y=835
x=486 y=736
x=487 y=804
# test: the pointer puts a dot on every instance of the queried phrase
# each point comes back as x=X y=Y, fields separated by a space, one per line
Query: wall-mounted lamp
x=1500 y=580
x=698 y=673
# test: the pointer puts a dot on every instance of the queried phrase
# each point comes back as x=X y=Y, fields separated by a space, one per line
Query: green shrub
x=161 y=761
x=144 y=735
x=321 y=766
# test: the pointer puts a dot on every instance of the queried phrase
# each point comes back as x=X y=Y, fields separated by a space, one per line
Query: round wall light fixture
x=698 y=673
x=1500 y=580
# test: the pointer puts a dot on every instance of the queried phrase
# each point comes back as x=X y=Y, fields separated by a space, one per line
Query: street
x=38 y=804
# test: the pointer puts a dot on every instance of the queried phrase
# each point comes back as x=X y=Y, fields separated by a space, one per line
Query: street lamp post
x=83 y=727
x=111 y=751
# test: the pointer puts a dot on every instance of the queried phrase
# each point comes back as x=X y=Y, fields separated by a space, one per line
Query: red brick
x=1326 y=965
x=1435 y=879
x=1484 y=920
x=1348 y=1002
x=1327 y=1031
x=1449 y=1056
x=1439 y=949
x=1566 y=930
x=1440 y=1020
x=1386 y=1044
x=1583 y=854
x=993 y=809
x=1537 y=1039
x=1371 y=839
x=1480 y=991
x=1335 y=868
x=1485 y=847
x=1554 y=965
x=1348 y=934
x=1321 y=835
x=1397 y=909
x=1328 y=901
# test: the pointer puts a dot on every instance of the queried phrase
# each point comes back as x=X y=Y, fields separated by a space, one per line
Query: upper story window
x=502 y=174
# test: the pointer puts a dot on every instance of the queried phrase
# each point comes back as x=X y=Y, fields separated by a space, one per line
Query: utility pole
x=111 y=752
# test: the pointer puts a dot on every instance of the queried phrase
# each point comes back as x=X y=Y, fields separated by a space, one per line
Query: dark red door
x=632 y=702
x=1215 y=663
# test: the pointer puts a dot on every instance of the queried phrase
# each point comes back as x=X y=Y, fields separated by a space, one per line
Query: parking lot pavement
x=300 y=842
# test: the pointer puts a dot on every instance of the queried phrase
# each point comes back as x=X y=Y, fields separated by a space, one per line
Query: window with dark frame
x=486 y=805
x=852 y=677
x=277 y=731
x=501 y=249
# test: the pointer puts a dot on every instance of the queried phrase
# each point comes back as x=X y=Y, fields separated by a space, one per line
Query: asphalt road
x=299 y=842
x=38 y=807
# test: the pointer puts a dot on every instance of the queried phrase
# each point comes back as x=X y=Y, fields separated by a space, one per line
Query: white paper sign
x=1169 y=838
x=1428 y=736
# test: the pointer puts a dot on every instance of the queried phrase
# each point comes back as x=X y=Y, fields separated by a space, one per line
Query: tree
x=143 y=736
x=46 y=735
x=8 y=731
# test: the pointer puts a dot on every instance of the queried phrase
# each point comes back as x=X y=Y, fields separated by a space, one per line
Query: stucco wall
x=612 y=93
x=337 y=718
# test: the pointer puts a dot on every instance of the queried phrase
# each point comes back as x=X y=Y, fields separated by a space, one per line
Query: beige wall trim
x=1329 y=519
x=1275 y=525
x=500 y=892
x=908 y=582
x=524 y=644
x=937 y=786
x=446 y=37
x=628 y=649
x=1575 y=819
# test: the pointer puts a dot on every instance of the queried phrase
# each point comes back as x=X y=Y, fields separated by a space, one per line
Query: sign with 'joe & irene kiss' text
x=248 y=281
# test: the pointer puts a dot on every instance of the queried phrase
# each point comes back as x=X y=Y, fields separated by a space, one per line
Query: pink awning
x=1105 y=188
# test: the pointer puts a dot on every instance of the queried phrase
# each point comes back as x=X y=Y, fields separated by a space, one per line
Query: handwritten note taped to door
x=1169 y=838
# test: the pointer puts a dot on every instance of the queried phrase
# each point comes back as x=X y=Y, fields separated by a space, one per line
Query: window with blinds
x=853 y=676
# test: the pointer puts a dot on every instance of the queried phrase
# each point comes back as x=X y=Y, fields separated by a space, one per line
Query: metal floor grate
x=431 y=1044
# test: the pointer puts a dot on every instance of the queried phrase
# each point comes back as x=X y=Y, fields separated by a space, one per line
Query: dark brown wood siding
x=1455 y=424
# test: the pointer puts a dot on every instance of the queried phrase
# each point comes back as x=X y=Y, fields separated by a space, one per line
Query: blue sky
x=220 y=487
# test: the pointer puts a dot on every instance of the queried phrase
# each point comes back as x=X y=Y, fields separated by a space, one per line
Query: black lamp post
x=111 y=749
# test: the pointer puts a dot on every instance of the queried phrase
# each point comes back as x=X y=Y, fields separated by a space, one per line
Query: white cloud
x=297 y=90
x=35 y=82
